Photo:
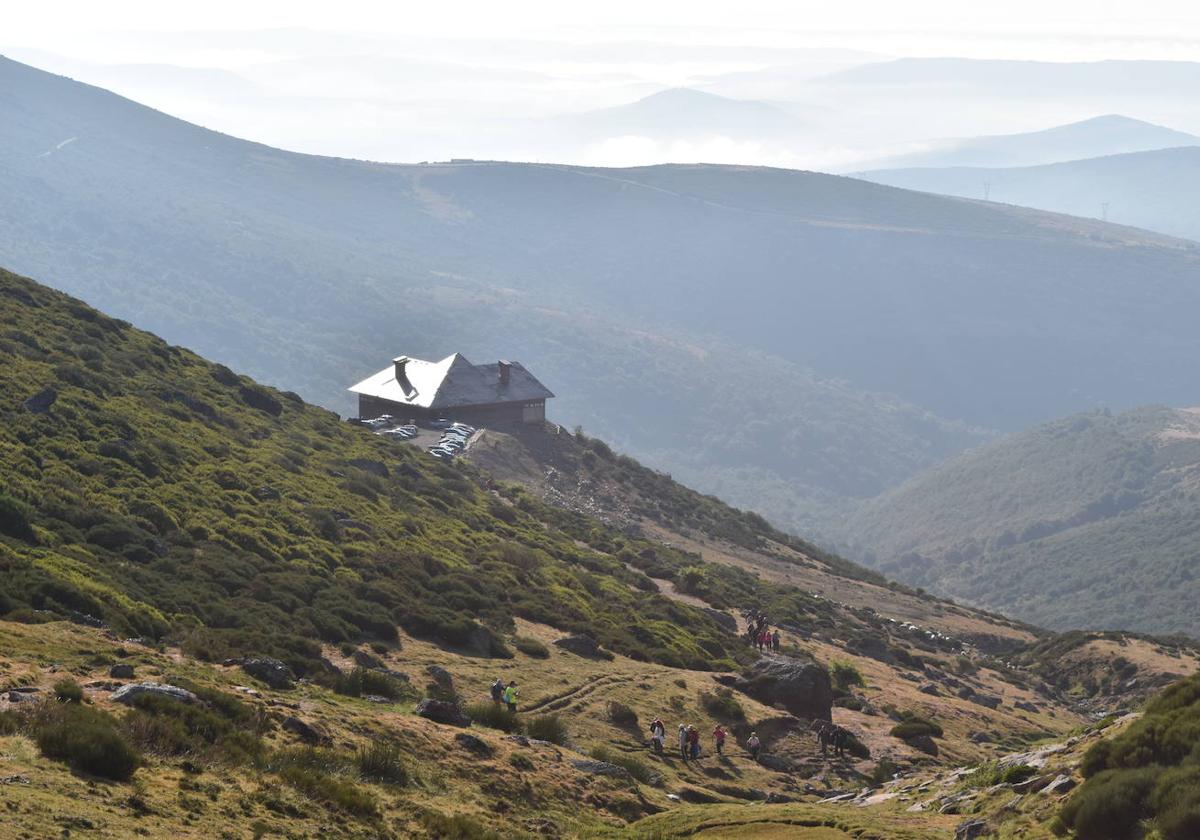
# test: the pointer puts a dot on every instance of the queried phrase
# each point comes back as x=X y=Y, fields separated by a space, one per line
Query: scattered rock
x=970 y=830
x=443 y=711
x=121 y=671
x=307 y=732
x=924 y=743
x=40 y=402
x=14 y=780
x=127 y=693
x=774 y=798
x=1061 y=784
x=271 y=671
x=799 y=685
x=979 y=738
x=266 y=493
x=985 y=700
x=475 y=745
x=18 y=697
x=582 y=645
x=1026 y=706
x=697 y=797
x=375 y=698
x=519 y=739
x=601 y=768
x=25 y=689
x=930 y=688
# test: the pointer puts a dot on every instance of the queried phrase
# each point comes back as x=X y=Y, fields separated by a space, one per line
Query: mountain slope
x=1096 y=137
x=687 y=113
x=678 y=306
x=1150 y=189
x=1090 y=521
x=155 y=493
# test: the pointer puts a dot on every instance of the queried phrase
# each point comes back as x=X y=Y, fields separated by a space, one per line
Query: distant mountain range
x=686 y=113
x=1090 y=521
x=792 y=340
x=1107 y=135
x=1154 y=190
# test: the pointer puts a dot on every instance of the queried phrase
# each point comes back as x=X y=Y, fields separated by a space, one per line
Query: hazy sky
x=1042 y=29
x=413 y=81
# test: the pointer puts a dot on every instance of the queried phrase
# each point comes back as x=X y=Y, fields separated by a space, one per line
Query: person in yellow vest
x=510 y=695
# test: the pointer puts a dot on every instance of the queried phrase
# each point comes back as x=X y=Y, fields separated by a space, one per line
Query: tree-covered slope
x=1090 y=521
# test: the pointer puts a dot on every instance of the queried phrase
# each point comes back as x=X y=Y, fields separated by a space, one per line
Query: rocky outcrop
x=443 y=711
x=800 y=686
x=582 y=645
x=475 y=745
x=121 y=671
x=40 y=402
x=271 y=671
x=128 y=693
x=307 y=732
x=601 y=768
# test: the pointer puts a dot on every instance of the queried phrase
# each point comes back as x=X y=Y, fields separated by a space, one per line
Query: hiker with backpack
x=510 y=695
x=683 y=741
x=658 y=733
x=693 y=737
x=775 y=640
x=498 y=691
x=753 y=745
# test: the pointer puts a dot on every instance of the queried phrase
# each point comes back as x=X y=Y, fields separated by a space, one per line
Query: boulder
x=582 y=645
x=121 y=671
x=930 y=688
x=985 y=700
x=271 y=671
x=442 y=678
x=473 y=745
x=127 y=693
x=40 y=402
x=800 y=686
x=1026 y=706
x=443 y=711
x=924 y=743
x=307 y=732
x=970 y=830
x=1061 y=784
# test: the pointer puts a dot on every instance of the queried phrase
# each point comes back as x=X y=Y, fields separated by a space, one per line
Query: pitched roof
x=451 y=383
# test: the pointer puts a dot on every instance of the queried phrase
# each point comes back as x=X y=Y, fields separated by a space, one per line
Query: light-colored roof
x=451 y=383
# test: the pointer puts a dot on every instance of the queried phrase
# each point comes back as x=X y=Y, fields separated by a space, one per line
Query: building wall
x=495 y=415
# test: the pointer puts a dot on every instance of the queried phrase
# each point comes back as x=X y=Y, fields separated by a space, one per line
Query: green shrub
x=14 y=519
x=323 y=775
x=845 y=675
x=992 y=773
x=494 y=716
x=380 y=762
x=531 y=647
x=67 y=690
x=722 y=705
x=362 y=681
x=635 y=766
x=87 y=739
x=521 y=762
x=622 y=715
x=883 y=771
x=914 y=727
x=1111 y=804
x=455 y=827
x=547 y=728
x=221 y=729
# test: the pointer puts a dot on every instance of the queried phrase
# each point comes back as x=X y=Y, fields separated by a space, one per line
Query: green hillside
x=793 y=340
x=1090 y=522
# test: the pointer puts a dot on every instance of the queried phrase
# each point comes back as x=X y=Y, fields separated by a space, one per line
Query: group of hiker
x=689 y=740
x=506 y=694
x=759 y=633
x=830 y=735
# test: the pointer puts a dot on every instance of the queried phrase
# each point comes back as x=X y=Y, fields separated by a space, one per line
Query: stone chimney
x=399 y=362
x=505 y=371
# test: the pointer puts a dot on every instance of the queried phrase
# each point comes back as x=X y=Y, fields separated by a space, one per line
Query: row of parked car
x=454 y=440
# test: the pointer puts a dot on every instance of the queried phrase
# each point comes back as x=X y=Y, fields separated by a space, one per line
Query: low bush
x=845 y=675
x=622 y=715
x=521 y=762
x=380 y=762
x=363 y=681
x=494 y=716
x=914 y=727
x=531 y=647
x=323 y=775
x=635 y=766
x=1111 y=804
x=15 y=519
x=722 y=705
x=67 y=690
x=87 y=739
x=547 y=728
x=455 y=827
x=992 y=773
